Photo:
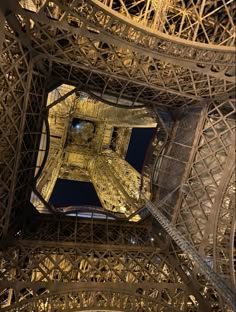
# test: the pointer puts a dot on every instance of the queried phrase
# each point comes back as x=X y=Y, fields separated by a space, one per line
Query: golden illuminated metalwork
x=88 y=142
x=174 y=60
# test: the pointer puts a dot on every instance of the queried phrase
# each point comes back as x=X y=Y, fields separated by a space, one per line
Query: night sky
x=68 y=193
x=139 y=142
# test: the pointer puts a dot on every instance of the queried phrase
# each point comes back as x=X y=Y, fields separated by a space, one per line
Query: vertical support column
x=117 y=183
x=48 y=180
x=15 y=80
x=2 y=33
x=58 y=121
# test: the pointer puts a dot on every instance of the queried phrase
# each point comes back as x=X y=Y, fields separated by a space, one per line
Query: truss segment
x=188 y=249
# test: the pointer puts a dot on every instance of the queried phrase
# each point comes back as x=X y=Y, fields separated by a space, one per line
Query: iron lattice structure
x=88 y=142
x=176 y=58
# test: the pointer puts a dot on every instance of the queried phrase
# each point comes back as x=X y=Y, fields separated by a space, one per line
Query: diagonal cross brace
x=223 y=289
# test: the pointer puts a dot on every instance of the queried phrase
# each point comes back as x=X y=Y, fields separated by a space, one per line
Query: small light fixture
x=132 y=241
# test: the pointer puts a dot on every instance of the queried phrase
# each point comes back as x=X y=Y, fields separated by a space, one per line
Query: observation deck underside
x=168 y=64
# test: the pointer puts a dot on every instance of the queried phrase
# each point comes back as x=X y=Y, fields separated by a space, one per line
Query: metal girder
x=224 y=231
x=93 y=299
x=188 y=249
x=211 y=163
x=62 y=98
x=82 y=231
x=80 y=44
x=204 y=210
x=111 y=64
x=171 y=162
x=117 y=183
x=38 y=270
x=96 y=156
x=21 y=100
x=106 y=21
x=201 y=21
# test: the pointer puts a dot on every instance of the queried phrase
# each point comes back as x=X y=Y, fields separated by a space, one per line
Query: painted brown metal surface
x=123 y=53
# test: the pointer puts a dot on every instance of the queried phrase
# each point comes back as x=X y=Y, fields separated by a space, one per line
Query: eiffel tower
x=76 y=77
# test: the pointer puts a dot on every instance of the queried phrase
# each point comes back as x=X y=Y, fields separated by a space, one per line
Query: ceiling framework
x=180 y=65
x=200 y=21
x=73 y=263
x=140 y=65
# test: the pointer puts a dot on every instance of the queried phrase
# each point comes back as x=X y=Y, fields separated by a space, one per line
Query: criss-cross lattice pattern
x=33 y=272
x=205 y=215
x=20 y=107
x=119 y=67
x=123 y=53
x=112 y=178
x=223 y=249
x=202 y=21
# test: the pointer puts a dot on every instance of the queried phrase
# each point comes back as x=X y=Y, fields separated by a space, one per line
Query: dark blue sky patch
x=139 y=142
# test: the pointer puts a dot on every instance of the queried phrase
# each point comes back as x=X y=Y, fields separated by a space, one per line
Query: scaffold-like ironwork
x=116 y=65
